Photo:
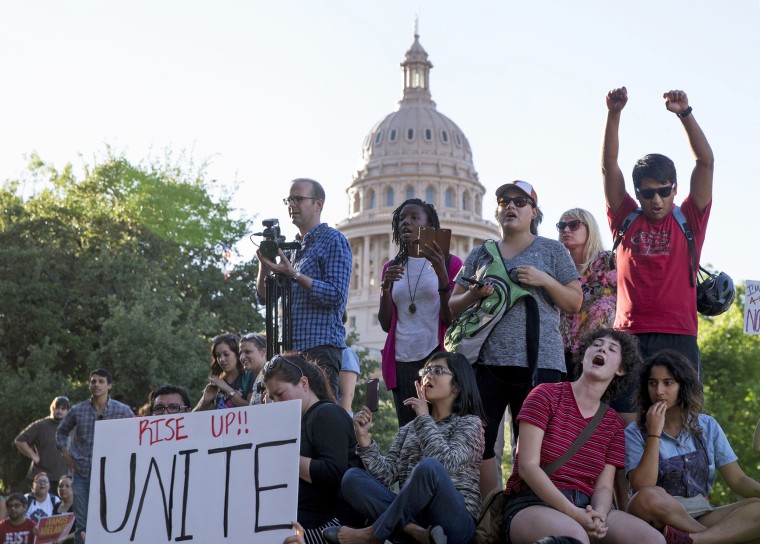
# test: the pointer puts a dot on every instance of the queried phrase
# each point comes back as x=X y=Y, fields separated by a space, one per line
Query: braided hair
x=403 y=248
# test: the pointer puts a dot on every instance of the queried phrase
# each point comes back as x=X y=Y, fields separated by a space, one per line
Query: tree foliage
x=120 y=270
x=731 y=376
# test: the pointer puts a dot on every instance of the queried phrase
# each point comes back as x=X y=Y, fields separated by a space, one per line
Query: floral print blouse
x=599 y=286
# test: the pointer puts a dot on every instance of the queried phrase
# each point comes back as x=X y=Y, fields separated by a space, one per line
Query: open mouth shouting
x=598 y=360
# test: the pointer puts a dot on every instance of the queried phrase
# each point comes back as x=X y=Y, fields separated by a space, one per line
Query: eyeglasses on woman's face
x=435 y=370
x=573 y=225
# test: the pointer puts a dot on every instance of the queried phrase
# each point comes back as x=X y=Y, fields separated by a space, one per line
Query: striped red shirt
x=552 y=407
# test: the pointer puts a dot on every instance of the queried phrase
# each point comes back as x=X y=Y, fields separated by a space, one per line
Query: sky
x=267 y=91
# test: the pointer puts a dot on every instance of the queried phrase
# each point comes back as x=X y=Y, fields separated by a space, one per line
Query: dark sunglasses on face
x=573 y=225
x=648 y=194
x=518 y=201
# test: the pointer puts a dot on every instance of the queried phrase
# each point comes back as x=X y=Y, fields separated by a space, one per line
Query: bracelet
x=685 y=113
x=384 y=286
x=653 y=436
x=296 y=275
x=444 y=290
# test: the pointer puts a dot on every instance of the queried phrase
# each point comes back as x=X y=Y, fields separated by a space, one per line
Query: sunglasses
x=573 y=225
x=297 y=199
x=648 y=194
x=252 y=336
x=435 y=371
x=518 y=201
x=276 y=360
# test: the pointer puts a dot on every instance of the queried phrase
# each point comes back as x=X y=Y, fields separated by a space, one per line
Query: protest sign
x=208 y=477
x=752 y=307
x=54 y=528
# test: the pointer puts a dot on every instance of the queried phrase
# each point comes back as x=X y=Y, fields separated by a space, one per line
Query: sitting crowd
x=594 y=358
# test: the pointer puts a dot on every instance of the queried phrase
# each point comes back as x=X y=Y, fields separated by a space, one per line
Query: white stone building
x=414 y=152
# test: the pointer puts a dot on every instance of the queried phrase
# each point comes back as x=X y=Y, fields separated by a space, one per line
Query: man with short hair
x=17 y=528
x=83 y=416
x=320 y=272
x=37 y=442
x=169 y=399
x=656 y=298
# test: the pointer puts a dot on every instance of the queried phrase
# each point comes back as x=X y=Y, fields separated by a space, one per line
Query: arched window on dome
x=466 y=201
x=410 y=134
x=428 y=134
x=430 y=195
x=371 y=200
x=449 y=198
x=458 y=139
x=389 y=197
x=392 y=135
x=409 y=192
x=378 y=137
x=478 y=206
x=356 y=203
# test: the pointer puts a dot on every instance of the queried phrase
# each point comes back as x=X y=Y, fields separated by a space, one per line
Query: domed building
x=414 y=152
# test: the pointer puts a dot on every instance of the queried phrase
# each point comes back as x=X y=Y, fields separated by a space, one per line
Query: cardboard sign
x=752 y=307
x=208 y=477
x=54 y=528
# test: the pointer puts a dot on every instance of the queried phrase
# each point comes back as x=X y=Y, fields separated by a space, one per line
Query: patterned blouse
x=599 y=286
x=456 y=441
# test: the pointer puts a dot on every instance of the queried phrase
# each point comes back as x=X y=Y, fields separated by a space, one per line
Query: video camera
x=273 y=239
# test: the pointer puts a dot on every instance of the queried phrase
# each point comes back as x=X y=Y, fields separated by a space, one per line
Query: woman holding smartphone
x=414 y=308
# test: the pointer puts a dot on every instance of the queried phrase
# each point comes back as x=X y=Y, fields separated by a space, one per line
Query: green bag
x=469 y=331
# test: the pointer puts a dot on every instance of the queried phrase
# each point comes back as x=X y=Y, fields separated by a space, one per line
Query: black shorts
x=527 y=497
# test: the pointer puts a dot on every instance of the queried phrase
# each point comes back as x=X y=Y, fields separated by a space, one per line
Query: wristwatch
x=296 y=275
x=232 y=393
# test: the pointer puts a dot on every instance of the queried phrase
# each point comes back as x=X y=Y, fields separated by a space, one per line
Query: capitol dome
x=414 y=152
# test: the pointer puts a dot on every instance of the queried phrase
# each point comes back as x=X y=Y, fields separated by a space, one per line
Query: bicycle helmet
x=715 y=292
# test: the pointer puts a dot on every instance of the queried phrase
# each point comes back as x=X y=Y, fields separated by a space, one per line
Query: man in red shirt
x=17 y=528
x=656 y=289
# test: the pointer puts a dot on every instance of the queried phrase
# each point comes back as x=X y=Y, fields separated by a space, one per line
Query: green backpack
x=470 y=330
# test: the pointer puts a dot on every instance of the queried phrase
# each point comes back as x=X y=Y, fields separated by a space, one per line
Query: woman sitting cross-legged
x=435 y=459
x=575 y=500
x=672 y=453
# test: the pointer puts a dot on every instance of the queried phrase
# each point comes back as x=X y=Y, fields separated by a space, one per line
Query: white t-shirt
x=416 y=332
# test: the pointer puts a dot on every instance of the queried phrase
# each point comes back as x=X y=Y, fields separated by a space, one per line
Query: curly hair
x=403 y=248
x=630 y=359
x=690 y=397
x=296 y=367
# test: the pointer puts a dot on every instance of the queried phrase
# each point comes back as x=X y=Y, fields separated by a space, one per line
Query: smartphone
x=473 y=281
x=373 y=394
x=428 y=235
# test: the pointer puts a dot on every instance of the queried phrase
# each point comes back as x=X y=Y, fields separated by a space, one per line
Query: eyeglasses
x=256 y=338
x=297 y=199
x=518 y=201
x=573 y=225
x=276 y=359
x=435 y=371
x=159 y=409
x=41 y=481
x=648 y=194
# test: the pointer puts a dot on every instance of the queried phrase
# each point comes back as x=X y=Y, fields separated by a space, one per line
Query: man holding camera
x=320 y=271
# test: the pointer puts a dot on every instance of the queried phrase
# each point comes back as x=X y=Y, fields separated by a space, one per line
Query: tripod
x=278 y=287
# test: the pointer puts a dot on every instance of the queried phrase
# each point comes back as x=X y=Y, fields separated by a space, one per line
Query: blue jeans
x=428 y=498
x=81 y=489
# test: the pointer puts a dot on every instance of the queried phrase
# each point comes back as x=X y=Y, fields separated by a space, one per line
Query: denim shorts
x=526 y=497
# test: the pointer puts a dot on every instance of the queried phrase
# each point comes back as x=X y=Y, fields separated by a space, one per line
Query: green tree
x=731 y=377
x=120 y=270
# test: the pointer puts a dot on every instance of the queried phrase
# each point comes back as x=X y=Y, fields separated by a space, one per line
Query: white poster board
x=752 y=307
x=204 y=477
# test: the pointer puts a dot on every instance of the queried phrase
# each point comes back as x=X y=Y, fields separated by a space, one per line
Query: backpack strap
x=686 y=229
x=579 y=440
x=517 y=292
x=630 y=218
